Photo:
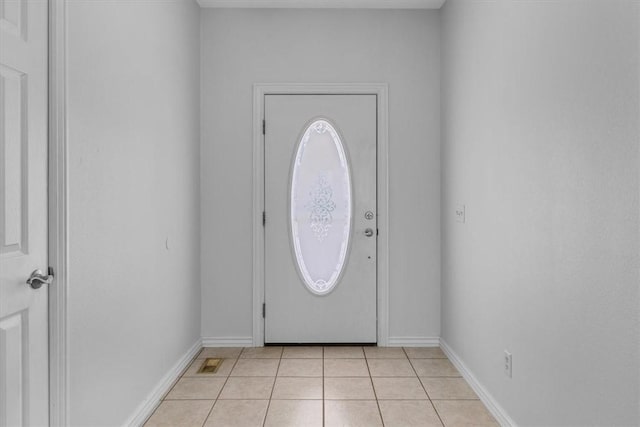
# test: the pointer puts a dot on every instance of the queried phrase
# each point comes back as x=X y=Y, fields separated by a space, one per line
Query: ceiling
x=325 y=4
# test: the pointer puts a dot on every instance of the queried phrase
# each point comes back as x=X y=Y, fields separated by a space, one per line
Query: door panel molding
x=58 y=218
x=381 y=91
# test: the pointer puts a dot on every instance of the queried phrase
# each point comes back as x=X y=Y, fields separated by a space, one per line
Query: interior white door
x=320 y=209
x=24 y=396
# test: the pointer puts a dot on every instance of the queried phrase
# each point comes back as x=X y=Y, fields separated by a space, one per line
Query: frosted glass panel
x=320 y=207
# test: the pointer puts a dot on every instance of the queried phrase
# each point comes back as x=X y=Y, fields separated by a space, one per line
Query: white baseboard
x=413 y=341
x=146 y=408
x=227 y=342
x=492 y=405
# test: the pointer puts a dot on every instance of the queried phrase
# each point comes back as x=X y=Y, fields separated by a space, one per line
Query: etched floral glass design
x=320 y=207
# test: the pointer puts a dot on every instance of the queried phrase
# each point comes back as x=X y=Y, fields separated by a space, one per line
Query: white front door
x=320 y=211
x=24 y=397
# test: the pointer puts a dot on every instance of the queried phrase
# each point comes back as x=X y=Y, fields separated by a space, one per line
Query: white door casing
x=23 y=212
x=340 y=131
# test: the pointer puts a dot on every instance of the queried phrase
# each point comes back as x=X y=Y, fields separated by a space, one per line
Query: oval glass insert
x=320 y=207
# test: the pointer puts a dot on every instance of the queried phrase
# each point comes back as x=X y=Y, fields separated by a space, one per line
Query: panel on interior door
x=13 y=18
x=13 y=155
x=12 y=369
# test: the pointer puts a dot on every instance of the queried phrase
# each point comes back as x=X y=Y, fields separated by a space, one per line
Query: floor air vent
x=210 y=366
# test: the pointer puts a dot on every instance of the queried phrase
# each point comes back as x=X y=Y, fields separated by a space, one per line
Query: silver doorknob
x=368 y=232
x=37 y=279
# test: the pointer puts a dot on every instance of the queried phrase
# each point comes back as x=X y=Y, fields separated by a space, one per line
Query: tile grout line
x=423 y=387
x=221 y=388
x=273 y=388
x=366 y=360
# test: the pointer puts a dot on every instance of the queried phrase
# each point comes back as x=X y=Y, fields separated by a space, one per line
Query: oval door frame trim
x=380 y=90
x=345 y=259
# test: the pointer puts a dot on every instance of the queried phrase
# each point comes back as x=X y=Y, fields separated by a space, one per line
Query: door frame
x=381 y=90
x=58 y=217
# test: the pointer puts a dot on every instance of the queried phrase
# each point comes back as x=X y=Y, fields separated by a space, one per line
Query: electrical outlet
x=460 y=213
x=507 y=363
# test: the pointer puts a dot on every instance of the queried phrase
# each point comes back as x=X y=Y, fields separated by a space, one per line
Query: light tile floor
x=322 y=386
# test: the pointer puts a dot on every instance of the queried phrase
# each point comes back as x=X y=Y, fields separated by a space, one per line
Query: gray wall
x=243 y=47
x=540 y=141
x=133 y=117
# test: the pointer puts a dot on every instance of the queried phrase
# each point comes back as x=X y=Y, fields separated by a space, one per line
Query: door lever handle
x=37 y=279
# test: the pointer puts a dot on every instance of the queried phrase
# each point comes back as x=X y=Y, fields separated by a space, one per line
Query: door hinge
x=264 y=218
x=377 y=232
x=264 y=309
x=264 y=127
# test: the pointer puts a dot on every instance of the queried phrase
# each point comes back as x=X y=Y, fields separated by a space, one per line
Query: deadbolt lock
x=368 y=215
